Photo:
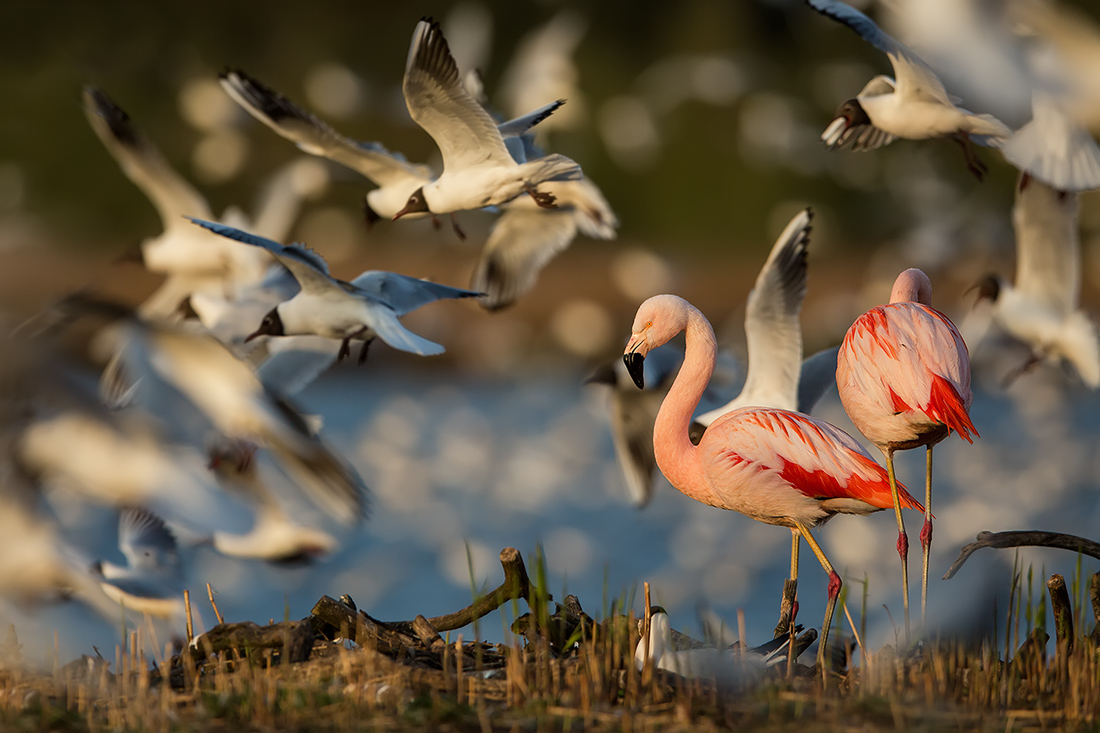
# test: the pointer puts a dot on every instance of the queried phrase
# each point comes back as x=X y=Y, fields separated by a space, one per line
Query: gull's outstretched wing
x=142 y=162
x=438 y=101
x=313 y=136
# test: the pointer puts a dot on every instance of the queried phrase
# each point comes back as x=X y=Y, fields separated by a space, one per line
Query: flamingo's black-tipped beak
x=634 y=367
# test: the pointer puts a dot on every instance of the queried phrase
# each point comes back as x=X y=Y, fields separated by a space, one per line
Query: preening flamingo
x=903 y=373
x=776 y=466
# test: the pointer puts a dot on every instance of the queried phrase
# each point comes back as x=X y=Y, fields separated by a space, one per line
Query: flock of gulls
x=193 y=411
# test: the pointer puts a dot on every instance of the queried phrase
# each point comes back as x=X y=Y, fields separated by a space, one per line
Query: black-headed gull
x=1042 y=308
x=739 y=666
x=478 y=170
x=527 y=236
x=992 y=55
x=1054 y=148
x=152 y=580
x=208 y=392
x=368 y=306
x=632 y=412
x=394 y=175
x=191 y=259
x=37 y=565
x=277 y=534
x=913 y=105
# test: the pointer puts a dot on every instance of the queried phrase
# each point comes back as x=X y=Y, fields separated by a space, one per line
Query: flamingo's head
x=912 y=286
x=657 y=321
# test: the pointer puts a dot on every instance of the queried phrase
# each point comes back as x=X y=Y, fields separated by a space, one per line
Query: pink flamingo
x=904 y=378
x=773 y=465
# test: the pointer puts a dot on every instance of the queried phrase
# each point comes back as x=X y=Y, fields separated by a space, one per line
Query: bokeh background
x=701 y=124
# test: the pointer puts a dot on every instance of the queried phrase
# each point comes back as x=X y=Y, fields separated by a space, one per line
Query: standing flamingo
x=773 y=465
x=903 y=373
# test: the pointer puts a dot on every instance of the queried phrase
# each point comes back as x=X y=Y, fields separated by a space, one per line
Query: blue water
x=476 y=465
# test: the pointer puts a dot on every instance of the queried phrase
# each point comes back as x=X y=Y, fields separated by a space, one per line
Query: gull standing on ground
x=152 y=579
x=913 y=105
x=478 y=170
x=366 y=307
x=903 y=373
x=737 y=664
x=1042 y=308
x=776 y=466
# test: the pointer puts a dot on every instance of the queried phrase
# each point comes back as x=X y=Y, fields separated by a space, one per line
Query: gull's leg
x=363 y=351
x=458 y=230
x=1033 y=361
x=436 y=224
x=345 y=349
x=903 y=540
x=542 y=198
x=926 y=537
x=834 y=592
x=973 y=163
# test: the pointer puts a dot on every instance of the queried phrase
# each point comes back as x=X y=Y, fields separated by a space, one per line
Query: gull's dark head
x=272 y=325
x=416 y=204
x=604 y=374
x=853 y=113
x=305 y=553
x=989 y=288
x=369 y=215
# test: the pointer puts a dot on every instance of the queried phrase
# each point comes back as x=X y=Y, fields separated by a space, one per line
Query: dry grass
x=591 y=688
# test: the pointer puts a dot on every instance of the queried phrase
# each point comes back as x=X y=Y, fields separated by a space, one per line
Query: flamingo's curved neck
x=677 y=458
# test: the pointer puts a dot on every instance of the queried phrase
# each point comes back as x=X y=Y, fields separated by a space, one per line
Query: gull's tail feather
x=391 y=330
x=1081 y=348
x=1067 y=162
x=987 y=130
x=553 y=167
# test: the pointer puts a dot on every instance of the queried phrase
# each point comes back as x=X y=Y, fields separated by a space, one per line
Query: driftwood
x=1034 y=538
x=516 y=586
x=1094 y=598
x=787 y=608
x=561 y=626
x=331 y=617
x=293 y=640
x=1032 y=653
x=1063 y=614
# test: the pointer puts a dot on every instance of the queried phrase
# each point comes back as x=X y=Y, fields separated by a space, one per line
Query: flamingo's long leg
x=903 y=539
x=926 y=537
x=834 y=591
x=794 y=602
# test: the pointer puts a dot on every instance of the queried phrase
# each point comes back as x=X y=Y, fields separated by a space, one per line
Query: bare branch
x=1031 y=538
